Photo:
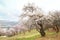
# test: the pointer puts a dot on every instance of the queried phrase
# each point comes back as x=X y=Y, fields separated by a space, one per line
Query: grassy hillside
x=27 y=36
x=33 y=35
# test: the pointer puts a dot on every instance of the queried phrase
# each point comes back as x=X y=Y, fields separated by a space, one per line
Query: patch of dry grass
x=50 y=36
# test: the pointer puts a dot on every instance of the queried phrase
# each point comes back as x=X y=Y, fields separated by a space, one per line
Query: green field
x=27 y=36
x=33 y=35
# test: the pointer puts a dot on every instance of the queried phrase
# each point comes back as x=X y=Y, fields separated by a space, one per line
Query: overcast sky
x=11 y=9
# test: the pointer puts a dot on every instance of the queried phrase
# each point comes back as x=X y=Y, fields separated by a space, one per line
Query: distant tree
x=56 y=19
x=1 y=31
x=11 y=32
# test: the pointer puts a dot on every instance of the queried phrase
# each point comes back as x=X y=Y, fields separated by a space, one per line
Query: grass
x=33 y=35
x=28 y=36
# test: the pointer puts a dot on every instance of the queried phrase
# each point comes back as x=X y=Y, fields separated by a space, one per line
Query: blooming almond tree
x=31 y=14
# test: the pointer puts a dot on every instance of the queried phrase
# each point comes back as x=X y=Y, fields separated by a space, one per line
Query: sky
x=11 y=9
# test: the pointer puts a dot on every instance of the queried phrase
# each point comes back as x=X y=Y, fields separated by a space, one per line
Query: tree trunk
x=42 y=30
x=57 y=29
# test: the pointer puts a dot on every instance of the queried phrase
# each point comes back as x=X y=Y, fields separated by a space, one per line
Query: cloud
x=11 y=9
x=46 y=5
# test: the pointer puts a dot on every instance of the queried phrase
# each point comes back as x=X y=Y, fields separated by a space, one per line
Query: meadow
x=33 y=35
